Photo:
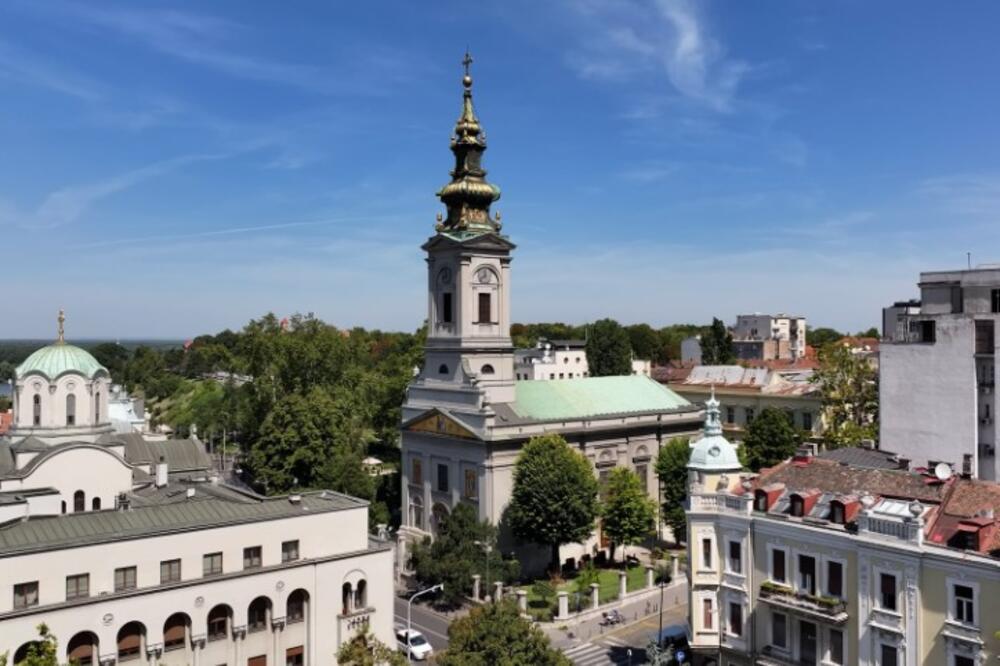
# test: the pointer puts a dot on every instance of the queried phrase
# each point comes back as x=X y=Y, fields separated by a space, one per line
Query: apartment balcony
x=825 y=609
x=772 y=656
x=721 y=503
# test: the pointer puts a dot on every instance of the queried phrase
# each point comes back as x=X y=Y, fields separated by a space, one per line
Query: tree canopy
x=717 y=345
x=646 y=343
x=820 y=337
x=609 y=351
x=554 y=500
x=365 y=650
x=41 y=652
x=671 y=468
x=770 y=438
x=849 y=386
x=628 y=515
x=497 y=635
x=461 y=550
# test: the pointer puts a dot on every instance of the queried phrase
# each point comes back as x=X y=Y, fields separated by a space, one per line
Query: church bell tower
x=469 y=349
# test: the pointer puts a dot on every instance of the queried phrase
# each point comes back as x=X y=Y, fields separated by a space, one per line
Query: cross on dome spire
x=61 y=319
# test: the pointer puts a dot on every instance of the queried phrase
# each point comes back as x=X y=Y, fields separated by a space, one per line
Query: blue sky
x=168 y=170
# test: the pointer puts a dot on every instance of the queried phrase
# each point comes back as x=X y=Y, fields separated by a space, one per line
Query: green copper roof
x=558 y=399
x=58 y=359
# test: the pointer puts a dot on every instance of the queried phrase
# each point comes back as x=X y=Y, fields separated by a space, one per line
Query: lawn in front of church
x=607 y=579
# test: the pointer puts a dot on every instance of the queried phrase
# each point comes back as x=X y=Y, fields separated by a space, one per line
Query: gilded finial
x=62 y=320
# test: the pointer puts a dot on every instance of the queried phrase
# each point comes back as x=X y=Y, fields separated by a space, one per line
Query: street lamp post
x=434 y=588
x=487 y=548
x=662 y=574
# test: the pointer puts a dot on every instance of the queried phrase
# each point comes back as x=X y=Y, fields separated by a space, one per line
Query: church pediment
x=438 y=422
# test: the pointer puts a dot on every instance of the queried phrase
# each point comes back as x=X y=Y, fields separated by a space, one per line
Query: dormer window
x=798 y=506
x=837 y=513
x=760 y=501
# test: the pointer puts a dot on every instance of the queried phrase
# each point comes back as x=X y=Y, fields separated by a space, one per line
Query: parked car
x=418 y=646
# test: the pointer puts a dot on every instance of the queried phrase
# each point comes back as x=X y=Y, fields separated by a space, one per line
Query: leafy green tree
x=458 y=553
x=771 y=438
x=113 y=357
x=585 y=577
x=6 y=371
x=629 y=516
x=671 y=469
x=554 y=500
x=497 y=635
x=609 y=351
x=849 y=386
x=366 y=650
x=645 y=342
x=870 y=333
x=41 y=652
x=821 y=337
x=717 y=345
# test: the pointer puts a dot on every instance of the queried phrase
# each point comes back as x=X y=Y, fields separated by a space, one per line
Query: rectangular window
x=418 y=472
x=77 y=586
x=706 y=613
x=735 y=557
x=963 y=661
x=295 y=656
x=807 y=421
x=887 y=591
x=778 y=566
x=290 y=550
x=470 y=491
x=252 y=557
x=835 y=579
x=442 y=479
x=706 y=553
x=170 y=571
x=749 y=412
x=26 y=595
x=642 y=471
x=807 y=574
x=125 y=579
x=995 y=300
x=836 y=647
x=211 y=564
x=735 y=619
x=779 y=630
x=965 y=604
x=730 y=415
x=485 y=309
x=446 y=313
x=889 y=655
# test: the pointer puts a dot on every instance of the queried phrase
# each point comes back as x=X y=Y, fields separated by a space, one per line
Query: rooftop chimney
x=161 y=473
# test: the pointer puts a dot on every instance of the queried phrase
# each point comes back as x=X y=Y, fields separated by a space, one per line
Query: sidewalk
x=586 y=625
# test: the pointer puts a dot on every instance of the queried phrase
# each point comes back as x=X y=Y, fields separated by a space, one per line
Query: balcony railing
x=830 y=609
x=721 y=503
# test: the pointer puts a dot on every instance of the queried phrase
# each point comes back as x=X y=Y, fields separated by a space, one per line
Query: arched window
x=97 y=408
x=295 y=610
x=175 y=631
x=443 y=370
x=71 y=409
x=36 y=404
x=82 y=648
x=361 y=595
x=64 y=506
x=79 y=501
x=487 y=369
x=130 y=640
x=95 y=504
x=417 y=511
x=258 y=614
x=439 y=514
x=346 y=598
x=219 y=619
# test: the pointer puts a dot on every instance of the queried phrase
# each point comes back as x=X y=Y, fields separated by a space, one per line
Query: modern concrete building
x=135 y=551
x=937 y=385
x=744 y=392
x=764 y=337
x=552 y=359
x=466 y=416
x=895 y=318
x=691 y=350
x=840 y=559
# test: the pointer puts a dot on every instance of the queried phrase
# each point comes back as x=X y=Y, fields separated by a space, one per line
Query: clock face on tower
x=444 y=277
x=484 y=276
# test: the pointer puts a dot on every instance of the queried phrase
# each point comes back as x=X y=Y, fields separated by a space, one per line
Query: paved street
x=433 y=626
x=602 y=647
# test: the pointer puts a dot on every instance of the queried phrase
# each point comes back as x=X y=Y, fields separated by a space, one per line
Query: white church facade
x=466 y=417
x=135 y=551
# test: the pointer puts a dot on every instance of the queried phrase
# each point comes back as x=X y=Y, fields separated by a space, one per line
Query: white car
x=419 y=648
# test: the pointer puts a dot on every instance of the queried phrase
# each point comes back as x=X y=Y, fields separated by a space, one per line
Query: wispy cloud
x=970 y=194
x=29 y=68
x=670 y=36
x=68 y=204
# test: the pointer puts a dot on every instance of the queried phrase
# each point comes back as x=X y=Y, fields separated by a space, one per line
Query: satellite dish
x=942 y=471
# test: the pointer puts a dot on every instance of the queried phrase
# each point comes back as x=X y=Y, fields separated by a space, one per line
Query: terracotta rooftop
x=834 y=477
